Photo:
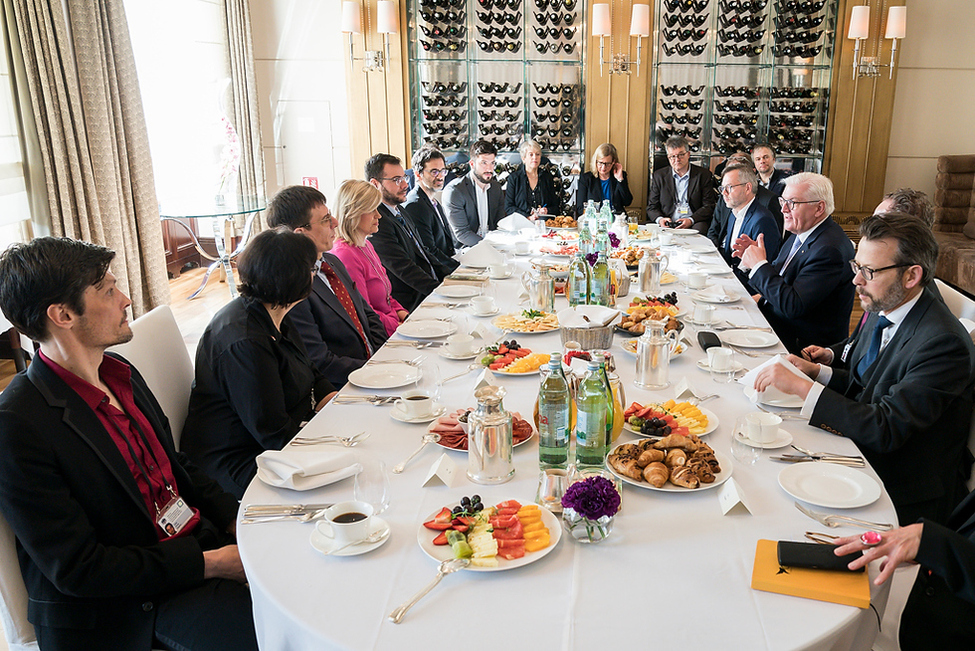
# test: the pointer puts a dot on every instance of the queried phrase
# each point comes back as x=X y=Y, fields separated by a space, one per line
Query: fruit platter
x=653 y=308
x=495 y=538
x=527 y=322
x=671 y=417
x=511 y=358
x=452 y=429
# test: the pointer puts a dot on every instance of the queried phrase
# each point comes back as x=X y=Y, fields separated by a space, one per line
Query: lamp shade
x=386 y=22
x=602 y=24
x=640 y=21
x=859 y=22
x=351 y=17
x=896 y=22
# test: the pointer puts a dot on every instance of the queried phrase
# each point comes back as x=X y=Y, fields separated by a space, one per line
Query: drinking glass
x=371 y=484
x=741 y=451
x=429 y=382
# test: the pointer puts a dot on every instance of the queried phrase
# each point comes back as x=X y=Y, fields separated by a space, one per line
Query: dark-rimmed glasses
x=869 y=273
x=792 y=203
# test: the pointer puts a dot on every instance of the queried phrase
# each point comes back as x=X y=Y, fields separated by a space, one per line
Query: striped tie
x=345 y=299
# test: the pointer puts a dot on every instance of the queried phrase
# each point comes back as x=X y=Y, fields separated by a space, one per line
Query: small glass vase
x=585 y=530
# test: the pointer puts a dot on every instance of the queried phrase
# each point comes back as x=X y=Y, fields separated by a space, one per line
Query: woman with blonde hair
x=606 y=181
x=532 y=191
x=355 y=206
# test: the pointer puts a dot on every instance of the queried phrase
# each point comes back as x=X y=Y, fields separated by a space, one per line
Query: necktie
x=878 y=335
x=796 y=243
x=416 y=241
x=345 y=299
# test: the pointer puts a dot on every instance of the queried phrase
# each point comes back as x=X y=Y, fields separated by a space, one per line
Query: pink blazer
x=370 y=279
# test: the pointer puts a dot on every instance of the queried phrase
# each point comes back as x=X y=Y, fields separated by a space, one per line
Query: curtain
x=88 y=113
x=243 y=107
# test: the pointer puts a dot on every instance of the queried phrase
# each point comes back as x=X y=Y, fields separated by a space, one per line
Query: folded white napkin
x=713 y=292
x=598 y=314
x=515 y=222
x=578 y=366
x=481 y=254
x=770 y=394
x=307 y=467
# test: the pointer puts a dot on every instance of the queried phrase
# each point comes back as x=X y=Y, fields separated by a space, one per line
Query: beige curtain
x=243 y=105
x=88 y=113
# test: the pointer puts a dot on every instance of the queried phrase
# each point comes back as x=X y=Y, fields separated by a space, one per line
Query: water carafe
x=490 y=439
x=652 y=268
x=653 y=351
x=541 y=290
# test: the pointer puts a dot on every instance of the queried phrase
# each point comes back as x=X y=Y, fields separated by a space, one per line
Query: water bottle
x=591 y=419
x=610 y=405
x=599 y=290
x=554 y=404
x=580 y=279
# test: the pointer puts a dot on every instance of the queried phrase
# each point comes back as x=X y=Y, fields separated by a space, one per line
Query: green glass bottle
x=554 y=404
x=580 y=277
x=591 y=419
x=608 y=390
x=599 y=287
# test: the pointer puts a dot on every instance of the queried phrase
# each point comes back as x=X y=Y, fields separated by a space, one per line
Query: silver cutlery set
x=373 y=400
x=347 y=441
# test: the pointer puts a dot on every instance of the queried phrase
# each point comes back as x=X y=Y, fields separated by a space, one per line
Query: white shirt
x=740 y=219
x=482 y=205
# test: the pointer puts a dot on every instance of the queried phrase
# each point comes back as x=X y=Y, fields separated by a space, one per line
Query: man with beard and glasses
x=475 y=202
x=423 y=210
x=902 y=389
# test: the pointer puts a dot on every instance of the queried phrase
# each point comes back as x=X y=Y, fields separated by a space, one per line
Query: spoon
x=431 y=437
x=374 y=537
x=304 y=517
x=447 y=567
x=462 y=374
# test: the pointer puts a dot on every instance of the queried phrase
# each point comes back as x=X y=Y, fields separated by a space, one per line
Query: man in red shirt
x=122 y=543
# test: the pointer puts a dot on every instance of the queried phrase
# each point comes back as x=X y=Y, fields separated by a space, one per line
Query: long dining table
x=675 y=572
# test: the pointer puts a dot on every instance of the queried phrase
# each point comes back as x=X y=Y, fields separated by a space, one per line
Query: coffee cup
x=703 y=313
x=483 y=304
x=460 y=344
x=697 y=280
x=721 y=362
x=762 y=427
x=415 y=404
x=522 y=247
x=499 y=270
x=348 y=521
x=666 y=238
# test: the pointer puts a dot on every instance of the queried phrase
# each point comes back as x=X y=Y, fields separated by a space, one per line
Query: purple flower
x=592 y=498
x=591 y=259
x=613 y=240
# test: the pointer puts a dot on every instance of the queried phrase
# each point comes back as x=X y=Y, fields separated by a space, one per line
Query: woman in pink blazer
x=355 y=206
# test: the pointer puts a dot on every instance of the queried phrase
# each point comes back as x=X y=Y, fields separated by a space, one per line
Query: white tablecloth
x=675 y=573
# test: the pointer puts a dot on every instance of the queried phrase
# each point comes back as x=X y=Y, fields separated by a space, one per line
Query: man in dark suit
x=423 y=210
x=903 y=393
x=805 y=292
x=475 y=201
x=745 y=216
x=89 y=477
x=338 y=340
x=683 y=194
x=762 y=195
x=412 y=272
x=770 y=178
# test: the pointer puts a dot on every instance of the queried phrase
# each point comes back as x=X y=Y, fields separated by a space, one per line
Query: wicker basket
x=589 y=338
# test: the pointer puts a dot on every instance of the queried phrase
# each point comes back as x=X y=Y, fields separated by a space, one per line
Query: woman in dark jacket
x=607 y=181
x=255 y=386
x=531 y=191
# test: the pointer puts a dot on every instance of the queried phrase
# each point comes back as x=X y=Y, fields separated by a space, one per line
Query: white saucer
x=470 y=310
x=397 y=414
x=782 y=439
x=520 y=255
x=324 y=544
x=704 y=366
x=507 y=275
x=448 y=355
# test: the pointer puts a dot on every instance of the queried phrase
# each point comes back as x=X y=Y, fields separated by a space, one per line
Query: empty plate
x=384 y=376
x=829 y=485
x=706 y=296
x=457 y=291
x=426 y=329
x=748 y=338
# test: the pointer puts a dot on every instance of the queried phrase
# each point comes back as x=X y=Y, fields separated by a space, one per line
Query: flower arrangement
x=588 y=508
x=614 y=242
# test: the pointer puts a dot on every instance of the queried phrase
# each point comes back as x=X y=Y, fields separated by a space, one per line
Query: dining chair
x=159 y=353
x=13 y=595
x=961 y=305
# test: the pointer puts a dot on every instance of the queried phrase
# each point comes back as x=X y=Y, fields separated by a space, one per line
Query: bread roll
x=656 y=474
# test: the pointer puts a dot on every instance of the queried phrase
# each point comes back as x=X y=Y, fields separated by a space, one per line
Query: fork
x=809 y=453
x=347 y=441
x=413 y=362
x=830 y=520
x=419 y=345
x=748 y=353
x=374 y=400
x=311 y=516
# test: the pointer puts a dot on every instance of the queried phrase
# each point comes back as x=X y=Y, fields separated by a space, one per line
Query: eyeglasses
x=727 y=188
x=398 y=180
x=601 y=163
x=677 y=156
x=438 y=172
x=792 y=203
x=869 y=273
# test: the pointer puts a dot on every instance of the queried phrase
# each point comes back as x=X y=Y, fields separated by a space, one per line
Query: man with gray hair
x=682 y=195
x=902 y=390
x=804 y=292
x=906 y=200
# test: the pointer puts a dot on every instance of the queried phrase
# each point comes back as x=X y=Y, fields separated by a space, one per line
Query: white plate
x=703 y=365
x=714 y=269
x=704 y=297
x=502 y=277
x=426 y=329
x=398 y=414
x=719 y=478
x=681 y=231
x=829 y=485
x=789 y=402
x=712 y=424
x=699 y=248
x=324 y=544
x=423 y=313
x=443 y=352
x=516 y=445
x=440 y=553
x=535 y=372
x=749 y=338
x=457 y=291
x=471 y=311
x=520 y=332
x=782 y=439
x=385 y=376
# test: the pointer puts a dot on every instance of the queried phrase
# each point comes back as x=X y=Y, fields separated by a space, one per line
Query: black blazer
x=701 y=196
x=431 y=226
x=758 y=221
x=518 y=195
x=717 y=231
x=254 y=388
x=776 y=182
x=811 y=302
x=329 y=336
x=910 y=413
x=411 y=272
x=86 y=542
x=590 y=188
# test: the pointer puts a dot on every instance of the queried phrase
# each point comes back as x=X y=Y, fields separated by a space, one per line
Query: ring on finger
x=871 y=538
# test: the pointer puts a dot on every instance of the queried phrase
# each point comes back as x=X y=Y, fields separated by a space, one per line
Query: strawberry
x=441 y=538
x=441 y=521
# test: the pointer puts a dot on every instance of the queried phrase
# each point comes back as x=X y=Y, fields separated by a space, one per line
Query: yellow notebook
x=849 y=588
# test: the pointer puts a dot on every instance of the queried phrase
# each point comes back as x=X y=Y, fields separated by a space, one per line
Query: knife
x=858 y=463
x=276 y=509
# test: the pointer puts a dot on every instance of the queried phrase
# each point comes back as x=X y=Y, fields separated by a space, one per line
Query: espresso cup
x=666 y=238
x=415 y=404
x=348 y=522
x=697 y=280
x=762 y=427
x=460 y=344
x=498 y=271
x=483 y=304
x=721 y=362
x=522 y=247
x=703 y=314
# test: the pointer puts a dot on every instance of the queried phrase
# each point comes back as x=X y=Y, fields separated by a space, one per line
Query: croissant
x=684 y=476
x=656 y=474
x=650 y=456
x=676 y=457
x=703 y=471
x=625 y=466
x=629 y=450
x=676 y=441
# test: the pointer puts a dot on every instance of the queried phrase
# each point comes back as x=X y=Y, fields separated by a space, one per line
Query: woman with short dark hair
x=255 y=385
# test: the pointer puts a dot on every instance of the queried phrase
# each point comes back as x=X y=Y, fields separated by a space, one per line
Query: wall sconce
x=386 y=23
x=602 y=26
x=860 y=31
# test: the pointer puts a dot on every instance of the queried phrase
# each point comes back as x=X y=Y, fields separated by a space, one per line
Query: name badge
x=846 y=351
x=174 y=516
x=683 y=210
